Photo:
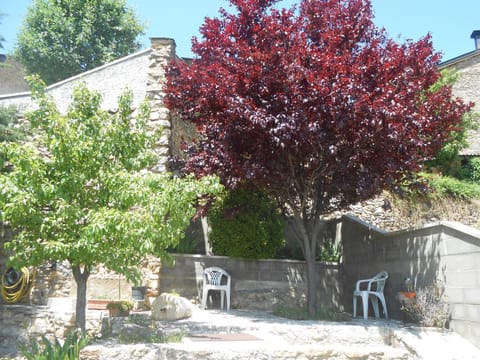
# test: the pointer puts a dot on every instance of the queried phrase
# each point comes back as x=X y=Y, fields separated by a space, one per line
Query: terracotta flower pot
x=119 y=308
x=115 y=312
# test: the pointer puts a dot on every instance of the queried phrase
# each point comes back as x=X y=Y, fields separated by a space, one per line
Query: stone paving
x=241 y=334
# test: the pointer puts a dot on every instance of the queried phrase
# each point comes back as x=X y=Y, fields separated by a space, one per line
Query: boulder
x=171 y=307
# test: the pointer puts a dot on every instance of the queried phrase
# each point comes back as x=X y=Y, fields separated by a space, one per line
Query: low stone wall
x=21 y=324
x=256 y=284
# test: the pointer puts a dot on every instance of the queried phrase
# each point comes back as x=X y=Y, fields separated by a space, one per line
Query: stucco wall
x=111 y=80
x=445 y=252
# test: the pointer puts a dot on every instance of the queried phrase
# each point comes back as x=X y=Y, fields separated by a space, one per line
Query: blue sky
x=450 y=22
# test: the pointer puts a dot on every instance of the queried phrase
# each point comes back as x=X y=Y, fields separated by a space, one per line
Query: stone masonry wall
x=467 y=87
x=391 y=213
x=163 y=50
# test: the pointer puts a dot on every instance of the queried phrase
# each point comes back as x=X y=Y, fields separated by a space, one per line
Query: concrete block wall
x=256 y=284
x=447 y=253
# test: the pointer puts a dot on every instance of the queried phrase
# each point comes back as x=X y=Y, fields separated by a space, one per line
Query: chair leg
x=384 y=304
x=222 y=294
x=204 y=298
x=354 y=306
x=365 y=305
x=374 y=301
x=227 y=294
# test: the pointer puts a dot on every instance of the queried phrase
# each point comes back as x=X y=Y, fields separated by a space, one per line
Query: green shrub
x=445 y=186
x=55 y=350
x=471 y=170
x=330 y=251
x=8 y=117
x=245 y=224
x=122 y=305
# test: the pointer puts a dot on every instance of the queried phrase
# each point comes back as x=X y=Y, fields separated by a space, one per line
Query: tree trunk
x=308 y=244
x=81 y=278
x=206 y=230
x=312 y=298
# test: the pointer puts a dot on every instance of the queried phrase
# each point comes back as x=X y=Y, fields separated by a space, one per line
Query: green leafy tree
x=63 y=38
x=81 y=194
x=8 y=116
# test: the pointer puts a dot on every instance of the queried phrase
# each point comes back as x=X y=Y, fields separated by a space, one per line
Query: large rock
x=171 y=307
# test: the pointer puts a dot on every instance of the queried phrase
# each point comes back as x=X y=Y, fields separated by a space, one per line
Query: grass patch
x=153 y=338
x=437 y=186
x=446 y=186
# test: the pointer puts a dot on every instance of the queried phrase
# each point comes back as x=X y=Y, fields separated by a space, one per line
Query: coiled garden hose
x=15 y=284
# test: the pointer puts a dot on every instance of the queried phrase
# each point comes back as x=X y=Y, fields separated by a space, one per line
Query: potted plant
x=119 y=308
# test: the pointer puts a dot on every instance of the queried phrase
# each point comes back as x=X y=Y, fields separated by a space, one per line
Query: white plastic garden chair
x=371 y=289
x=215 y=278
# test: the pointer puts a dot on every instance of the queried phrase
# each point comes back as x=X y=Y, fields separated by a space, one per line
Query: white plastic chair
x=213 y=280
x=373 y=291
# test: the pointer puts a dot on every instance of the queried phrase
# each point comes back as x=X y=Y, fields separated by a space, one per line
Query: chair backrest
x=380 y=279
x=213 y=276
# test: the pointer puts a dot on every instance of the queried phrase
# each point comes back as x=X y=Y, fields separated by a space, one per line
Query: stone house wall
x=467 y=87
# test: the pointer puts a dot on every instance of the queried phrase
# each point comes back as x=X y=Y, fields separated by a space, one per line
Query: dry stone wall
x=388 y=212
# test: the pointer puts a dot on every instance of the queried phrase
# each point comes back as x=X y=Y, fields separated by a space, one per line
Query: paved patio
x=241 y=334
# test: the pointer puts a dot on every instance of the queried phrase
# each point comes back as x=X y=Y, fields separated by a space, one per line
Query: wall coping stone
x=217 y=257
x=461 y=228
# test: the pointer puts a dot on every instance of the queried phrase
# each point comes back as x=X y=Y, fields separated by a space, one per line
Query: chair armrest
x=357 y=285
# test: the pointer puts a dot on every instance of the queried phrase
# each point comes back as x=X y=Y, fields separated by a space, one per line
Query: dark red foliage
x=318 y=103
